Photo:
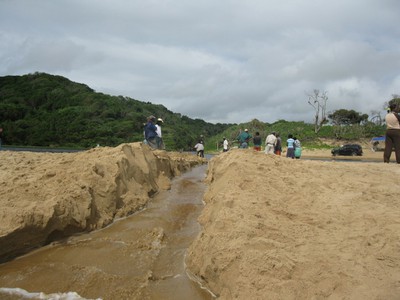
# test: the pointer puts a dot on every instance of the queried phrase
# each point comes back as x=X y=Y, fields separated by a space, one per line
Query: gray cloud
x=222 y=61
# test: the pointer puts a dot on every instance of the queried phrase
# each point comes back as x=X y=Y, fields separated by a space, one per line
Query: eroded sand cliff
x=46 y=196
x=277 y=228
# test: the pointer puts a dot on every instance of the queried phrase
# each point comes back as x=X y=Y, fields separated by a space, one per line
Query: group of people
x=273 y=143
x=153 y=134
x=293 y=147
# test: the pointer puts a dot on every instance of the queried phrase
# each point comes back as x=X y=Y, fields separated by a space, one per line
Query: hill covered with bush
x=51 y=111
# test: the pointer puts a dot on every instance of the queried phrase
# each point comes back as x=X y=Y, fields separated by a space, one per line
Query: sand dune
x=277 y=228
x=272 y=227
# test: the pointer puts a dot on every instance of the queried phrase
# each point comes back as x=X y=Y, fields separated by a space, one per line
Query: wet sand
x=138 y=257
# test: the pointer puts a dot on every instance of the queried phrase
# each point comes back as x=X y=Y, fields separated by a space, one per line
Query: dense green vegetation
x=51 y=111
x=303 y=131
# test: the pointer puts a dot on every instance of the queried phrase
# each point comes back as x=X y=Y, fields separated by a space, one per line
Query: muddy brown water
x=139 y=257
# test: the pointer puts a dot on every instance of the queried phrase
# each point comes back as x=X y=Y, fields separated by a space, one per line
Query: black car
x=349 y=149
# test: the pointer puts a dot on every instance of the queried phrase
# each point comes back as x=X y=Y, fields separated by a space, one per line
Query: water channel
x=139 y=257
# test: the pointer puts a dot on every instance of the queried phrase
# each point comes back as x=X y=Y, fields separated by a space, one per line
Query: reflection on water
x=139 y=257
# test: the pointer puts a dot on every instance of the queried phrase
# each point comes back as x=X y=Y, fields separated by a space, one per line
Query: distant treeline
x=51 y=111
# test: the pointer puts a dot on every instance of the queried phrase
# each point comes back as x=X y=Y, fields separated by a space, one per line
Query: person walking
x=392 y=134
x=270 y=143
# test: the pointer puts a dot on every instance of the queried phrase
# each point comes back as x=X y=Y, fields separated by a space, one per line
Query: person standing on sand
x=244 y=139
x=257 y=141
x=392 y=134
x=290 y=146
x=225 y=145
x=297 y=148
x=159 y=134
x=270 y=143
x=150 y=133
x=278 y=145
x=199 y=149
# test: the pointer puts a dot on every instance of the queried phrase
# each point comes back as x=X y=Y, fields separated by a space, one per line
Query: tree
x=395 y=99
x=318 y=102
x=376 y=117
x=347 y=123
x=347 y=117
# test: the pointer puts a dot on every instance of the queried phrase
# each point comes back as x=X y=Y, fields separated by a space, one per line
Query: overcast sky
x=225 y=61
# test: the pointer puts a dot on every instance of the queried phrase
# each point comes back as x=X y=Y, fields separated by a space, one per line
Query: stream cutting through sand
x=139 y=257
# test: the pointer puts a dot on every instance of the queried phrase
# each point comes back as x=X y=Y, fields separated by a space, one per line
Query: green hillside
x=51 y=111
x=303 y=131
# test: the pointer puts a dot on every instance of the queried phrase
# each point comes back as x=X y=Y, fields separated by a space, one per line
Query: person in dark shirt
x=278 y=145
x=244 y=138
x=257 y=141
x=150 y=132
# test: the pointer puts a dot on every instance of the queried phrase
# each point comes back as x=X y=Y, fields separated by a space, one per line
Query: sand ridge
x=277 y=228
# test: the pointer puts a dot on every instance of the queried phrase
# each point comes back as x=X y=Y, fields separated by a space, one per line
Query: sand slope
x=276 y=228
x=45 y=196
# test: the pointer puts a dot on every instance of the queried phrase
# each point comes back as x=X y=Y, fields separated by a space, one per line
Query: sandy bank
x=45 y=196
x=276 y=228
x=273 y=228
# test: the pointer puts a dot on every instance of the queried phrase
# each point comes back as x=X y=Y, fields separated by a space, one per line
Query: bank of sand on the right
x=277 y=228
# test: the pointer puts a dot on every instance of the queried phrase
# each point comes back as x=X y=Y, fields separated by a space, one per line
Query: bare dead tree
x=376 y=117
x=318 y=101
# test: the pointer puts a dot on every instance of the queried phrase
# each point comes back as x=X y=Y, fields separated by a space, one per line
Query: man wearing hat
x=159 y=134
x=244 y=138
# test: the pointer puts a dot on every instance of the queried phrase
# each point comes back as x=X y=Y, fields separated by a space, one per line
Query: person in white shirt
x=270 y=142
x=225 y=145
x=159 y=134
x=199 y=149
x=392 y=134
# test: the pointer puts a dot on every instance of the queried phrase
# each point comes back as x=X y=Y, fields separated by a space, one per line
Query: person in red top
x=392 y=134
